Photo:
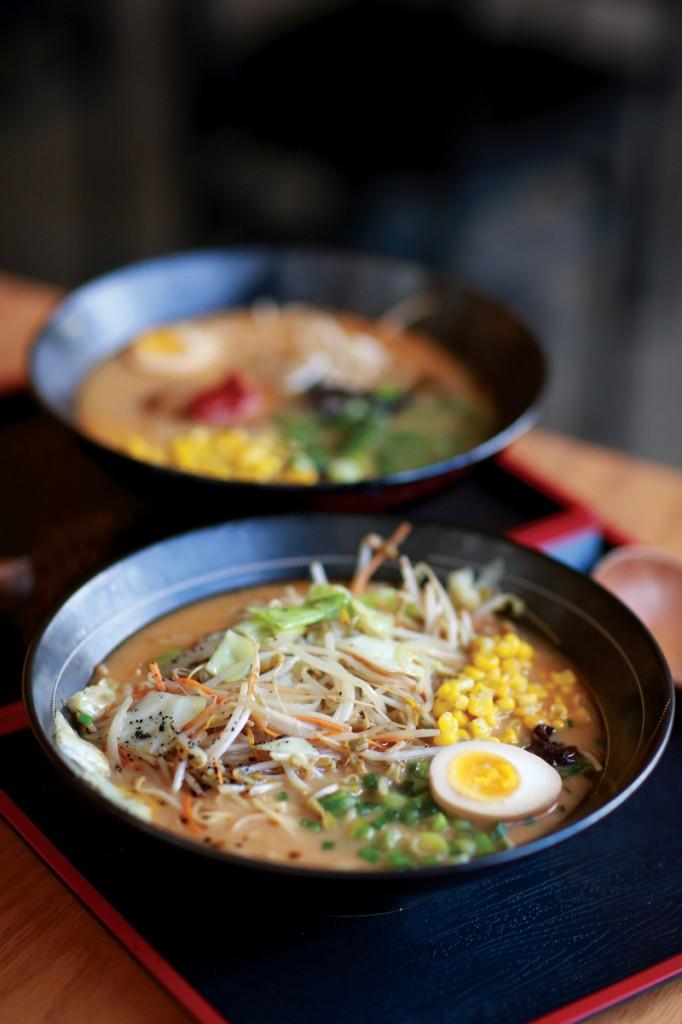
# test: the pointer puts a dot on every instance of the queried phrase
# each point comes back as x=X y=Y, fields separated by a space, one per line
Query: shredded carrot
x=215 y=694
x=381 y=743
x=269 y=732
x=140 y=691
x=198 y=719
x=188 y=813
x=363 y=577
x=322 y=722
x=129 y=760
x=219 y=772
x=155 y=673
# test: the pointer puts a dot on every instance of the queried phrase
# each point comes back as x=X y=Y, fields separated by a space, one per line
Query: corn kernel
x=509 y=736
x=506 y=703
x=475 y=673
x=558 y=723
x=464 y=734
x=445 y=739
x=479 y=728
x=519 y=684
x=486 y=661
x=482 y=705
x=530 y=721
x=464 y=684
x=526 y=652
x=461 y=702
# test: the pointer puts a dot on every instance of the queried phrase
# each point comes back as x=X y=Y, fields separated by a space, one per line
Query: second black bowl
x=99 y=318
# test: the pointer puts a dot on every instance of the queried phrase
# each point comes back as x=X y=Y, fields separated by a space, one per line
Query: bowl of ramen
x=340 y=700
x=311 y=375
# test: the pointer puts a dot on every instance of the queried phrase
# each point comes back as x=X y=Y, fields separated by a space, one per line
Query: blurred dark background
x=532 y=146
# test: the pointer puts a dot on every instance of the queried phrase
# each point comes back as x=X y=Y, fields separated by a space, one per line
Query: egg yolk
x=161 y=342
x=480 y=775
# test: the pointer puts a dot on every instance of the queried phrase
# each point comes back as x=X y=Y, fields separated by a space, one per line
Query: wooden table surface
x=57 y=964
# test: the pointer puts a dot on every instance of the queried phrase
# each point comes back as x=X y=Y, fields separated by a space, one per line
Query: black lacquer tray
x=555 y=938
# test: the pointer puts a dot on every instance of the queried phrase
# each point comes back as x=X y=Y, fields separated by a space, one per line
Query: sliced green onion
x=484 y=843
x=312 y=824
x=337 y=803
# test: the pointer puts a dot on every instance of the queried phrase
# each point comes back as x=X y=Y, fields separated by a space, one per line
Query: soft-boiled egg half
x=493 y=781
x=176 y=351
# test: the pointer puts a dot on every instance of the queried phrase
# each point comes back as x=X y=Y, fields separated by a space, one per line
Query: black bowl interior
x=99 y=318
x=628 y=674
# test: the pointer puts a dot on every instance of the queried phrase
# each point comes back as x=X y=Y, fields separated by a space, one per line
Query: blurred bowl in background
x=99 y=318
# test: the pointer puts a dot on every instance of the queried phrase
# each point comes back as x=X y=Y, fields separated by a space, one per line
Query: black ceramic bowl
x=99 y=318
x=630 y=678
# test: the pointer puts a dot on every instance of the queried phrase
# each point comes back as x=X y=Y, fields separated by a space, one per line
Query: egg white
x=200 y=350
x=537 y=792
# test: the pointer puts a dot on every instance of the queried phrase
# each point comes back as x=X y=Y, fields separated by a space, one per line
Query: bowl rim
x=656 y=745
x=485 y=449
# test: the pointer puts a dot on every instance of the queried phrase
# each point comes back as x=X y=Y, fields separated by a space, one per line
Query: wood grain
x=58 y=965
x=24 y=305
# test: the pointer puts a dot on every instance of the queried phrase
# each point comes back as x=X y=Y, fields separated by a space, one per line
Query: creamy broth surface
x=255 y=835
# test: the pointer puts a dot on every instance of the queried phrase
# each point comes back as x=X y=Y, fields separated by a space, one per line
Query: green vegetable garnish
x=570 y=723
x=312 y=824
x=368 y=808
x=398 y=860
x=578 y=768
x=369 y=854
x=390 y=838
x=85 y=719
x=438 y=822
x=431 y=844
x=370 y=781
x=337 y=803
x=361 y=829
x=282 y=795
x=328 y=845
x=299 y=617
x=410 y=816
x=395 y=801
x=484 y=843
x=499 y=831
x=420 y=769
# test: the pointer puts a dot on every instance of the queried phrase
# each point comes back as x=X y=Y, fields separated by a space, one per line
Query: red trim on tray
x=613 y=535
x=559 y=526
x=614 y=994
x=167 y=976
x=13 y=717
